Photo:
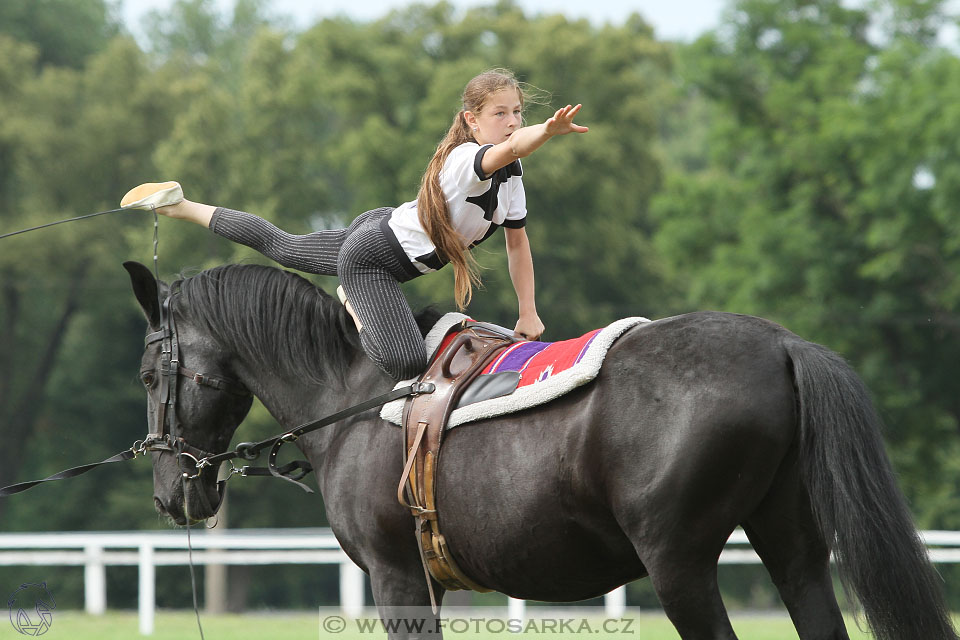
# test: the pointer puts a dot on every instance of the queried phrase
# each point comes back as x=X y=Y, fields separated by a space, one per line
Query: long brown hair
x=432 y=204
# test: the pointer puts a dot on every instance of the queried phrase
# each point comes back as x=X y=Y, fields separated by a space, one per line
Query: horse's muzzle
x=200 y=502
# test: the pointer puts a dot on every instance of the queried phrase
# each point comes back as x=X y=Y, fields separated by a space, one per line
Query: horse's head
x=193 y=402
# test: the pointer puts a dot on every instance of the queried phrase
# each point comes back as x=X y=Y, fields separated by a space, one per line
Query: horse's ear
x=145 y=289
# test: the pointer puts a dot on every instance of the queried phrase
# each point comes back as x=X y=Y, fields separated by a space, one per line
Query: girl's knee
x=400 y=361
x=402 y=368
x=409 y=370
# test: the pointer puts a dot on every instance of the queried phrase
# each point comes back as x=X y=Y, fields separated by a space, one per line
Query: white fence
x=150 y=549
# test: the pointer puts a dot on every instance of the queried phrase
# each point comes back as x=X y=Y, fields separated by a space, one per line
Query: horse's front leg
x=403 y=601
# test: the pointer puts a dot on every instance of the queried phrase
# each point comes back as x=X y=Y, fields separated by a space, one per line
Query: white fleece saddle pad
x=547 y=370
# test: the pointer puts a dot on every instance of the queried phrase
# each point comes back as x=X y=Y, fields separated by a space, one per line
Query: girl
x=471 y=187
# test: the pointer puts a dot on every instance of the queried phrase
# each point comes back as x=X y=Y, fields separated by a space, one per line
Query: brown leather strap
x=424 y=419
x=426 y=568
x=411 y=459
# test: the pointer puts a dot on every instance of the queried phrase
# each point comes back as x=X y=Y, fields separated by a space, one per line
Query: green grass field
x=181 y=625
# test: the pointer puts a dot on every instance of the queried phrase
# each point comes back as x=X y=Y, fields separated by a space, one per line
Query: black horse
x=696 y=424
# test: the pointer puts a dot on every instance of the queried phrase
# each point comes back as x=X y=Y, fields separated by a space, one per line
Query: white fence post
x=615 y=602
x=94 y=581
x=148 y=587
x=516 y=609
x=351 y=589
x=215 y=589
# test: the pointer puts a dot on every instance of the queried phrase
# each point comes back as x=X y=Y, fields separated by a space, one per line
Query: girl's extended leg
x=314 y=252
x=360 y=255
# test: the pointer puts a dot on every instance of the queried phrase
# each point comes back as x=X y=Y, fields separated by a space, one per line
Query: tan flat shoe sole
x=152 y=194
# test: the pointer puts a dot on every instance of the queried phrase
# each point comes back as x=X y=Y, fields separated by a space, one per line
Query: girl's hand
x=529 y=327
x=562 y=122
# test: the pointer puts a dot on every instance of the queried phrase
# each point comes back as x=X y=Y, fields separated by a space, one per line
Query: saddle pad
x=547 y=370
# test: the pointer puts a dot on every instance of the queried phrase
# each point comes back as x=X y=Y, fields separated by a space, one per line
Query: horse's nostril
x=159 y=506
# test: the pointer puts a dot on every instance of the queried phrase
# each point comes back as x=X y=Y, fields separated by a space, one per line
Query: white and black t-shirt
x=478 y=205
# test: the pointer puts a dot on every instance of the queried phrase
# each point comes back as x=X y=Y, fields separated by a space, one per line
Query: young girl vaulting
x=471 y=186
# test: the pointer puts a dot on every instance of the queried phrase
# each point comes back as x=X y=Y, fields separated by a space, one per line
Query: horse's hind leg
x=690 y=597
x=785 y=535
x=683 y=570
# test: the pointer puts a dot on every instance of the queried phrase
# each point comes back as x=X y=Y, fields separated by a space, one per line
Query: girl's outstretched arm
x=520 y=262
x=526 y=140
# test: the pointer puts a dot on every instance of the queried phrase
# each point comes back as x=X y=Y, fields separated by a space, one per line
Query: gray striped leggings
x=369 y=270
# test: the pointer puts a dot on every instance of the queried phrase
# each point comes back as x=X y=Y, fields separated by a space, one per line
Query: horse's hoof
x=151 y=195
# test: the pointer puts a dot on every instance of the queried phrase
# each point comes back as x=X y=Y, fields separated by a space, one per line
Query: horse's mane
x=273 y=318
x=277 y=319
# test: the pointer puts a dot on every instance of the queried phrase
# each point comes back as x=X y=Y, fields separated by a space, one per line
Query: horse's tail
x=860 y=510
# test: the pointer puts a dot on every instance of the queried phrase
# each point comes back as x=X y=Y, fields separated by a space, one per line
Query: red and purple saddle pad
x=547 y=369
x=537 y=361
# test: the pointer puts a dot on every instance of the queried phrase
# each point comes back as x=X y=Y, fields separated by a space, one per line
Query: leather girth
x=424 y=419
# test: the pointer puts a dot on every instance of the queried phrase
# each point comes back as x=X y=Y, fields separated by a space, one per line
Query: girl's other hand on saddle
x=529 y=327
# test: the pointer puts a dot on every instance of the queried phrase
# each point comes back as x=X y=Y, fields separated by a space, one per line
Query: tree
x=68 y=150
x=65 y=32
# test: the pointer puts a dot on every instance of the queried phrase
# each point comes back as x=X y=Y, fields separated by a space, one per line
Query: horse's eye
x=147 y=378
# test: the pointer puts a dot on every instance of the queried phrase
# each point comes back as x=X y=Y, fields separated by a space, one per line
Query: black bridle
x=166 y=437
x=165 y=433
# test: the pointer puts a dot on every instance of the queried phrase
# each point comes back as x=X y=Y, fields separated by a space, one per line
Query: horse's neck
x=293 y=402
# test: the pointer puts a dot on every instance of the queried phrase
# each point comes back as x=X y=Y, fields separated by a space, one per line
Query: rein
x=134 y=450
x=251 y=450
x=51 y=224
x=245 y=450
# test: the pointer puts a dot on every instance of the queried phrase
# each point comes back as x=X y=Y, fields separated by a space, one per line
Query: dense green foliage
x=799 y=163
